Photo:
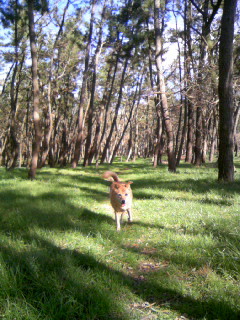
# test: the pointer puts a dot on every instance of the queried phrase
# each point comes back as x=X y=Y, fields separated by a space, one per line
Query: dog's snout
x=123 y=201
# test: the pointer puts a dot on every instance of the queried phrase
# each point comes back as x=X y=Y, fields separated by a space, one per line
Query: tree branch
x=197 y=7
x=215 y=9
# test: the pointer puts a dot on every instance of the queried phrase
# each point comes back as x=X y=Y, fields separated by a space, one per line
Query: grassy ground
x=61 y=257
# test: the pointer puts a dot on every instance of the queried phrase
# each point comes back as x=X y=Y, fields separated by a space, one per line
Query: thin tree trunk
x=106 y=102
x=36 y=117
x=87 y=157
x=162 y=89
x=158 y=110
x=114 y=122
x=130 y=143
x=138 y=88
x=181 y=131
x=206 y=24
x=188 y=90
x=158 y=139
x=49 y=120
x=236 y=120
x=99 y=119
x=14 y=91
x=83 y=95
x=213 y=138
x=136 y=140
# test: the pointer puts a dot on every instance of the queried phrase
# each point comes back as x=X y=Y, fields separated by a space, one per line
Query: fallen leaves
x=153 y=266
x=153 y=311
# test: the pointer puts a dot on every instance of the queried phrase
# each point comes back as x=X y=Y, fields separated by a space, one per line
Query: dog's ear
x=130 y=182
x=116 y=186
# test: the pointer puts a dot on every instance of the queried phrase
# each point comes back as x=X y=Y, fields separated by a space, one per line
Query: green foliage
x=61 y=257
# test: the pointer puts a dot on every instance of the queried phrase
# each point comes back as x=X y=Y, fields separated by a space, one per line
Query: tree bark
x=225 y=91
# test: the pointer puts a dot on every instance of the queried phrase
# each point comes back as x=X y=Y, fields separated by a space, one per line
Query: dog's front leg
x=117 y=218
x=129 y=215
x=121 y=221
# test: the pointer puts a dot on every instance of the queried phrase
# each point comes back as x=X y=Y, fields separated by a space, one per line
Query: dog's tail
x=110 y=174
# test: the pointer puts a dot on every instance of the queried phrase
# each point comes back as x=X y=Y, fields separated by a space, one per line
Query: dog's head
x=122 y=193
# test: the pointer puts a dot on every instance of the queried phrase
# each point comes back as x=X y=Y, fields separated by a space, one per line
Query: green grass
x=61 y=257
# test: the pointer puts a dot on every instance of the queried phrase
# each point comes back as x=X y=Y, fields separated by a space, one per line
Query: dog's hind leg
x=118 y=219
x=129 y=215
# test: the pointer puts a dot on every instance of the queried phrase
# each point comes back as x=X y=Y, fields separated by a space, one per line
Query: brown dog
x=120 y=197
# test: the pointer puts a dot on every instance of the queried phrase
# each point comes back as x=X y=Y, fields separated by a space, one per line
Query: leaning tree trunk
x=87 y=156
x=36 y=118
x=114 y=122
x=94 y=152
x=106 y=103
x=14 y=93
x=162 y=89
x=83 y=95
x=14 y=144
x=213 y=138
x=138 y=90
x=49 y=118
x=225 y=91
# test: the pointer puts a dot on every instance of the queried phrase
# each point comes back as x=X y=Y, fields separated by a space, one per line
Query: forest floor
x=62 y=258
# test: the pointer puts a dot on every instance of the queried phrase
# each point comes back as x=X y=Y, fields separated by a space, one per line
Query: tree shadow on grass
x=49 y=211
x=66 y=284
x=201 y=186
x=60 y=283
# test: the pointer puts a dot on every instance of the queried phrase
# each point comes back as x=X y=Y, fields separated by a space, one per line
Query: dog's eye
x=126 y=194
x=119 y=195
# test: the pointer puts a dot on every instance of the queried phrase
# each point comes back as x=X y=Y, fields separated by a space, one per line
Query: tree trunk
x=106 y=103
x=138 y=86
x=213 y=138
x=36 y=117
x=130 y=143
x=162 y=89
x=14 y=144
x=14 y=92
x=114 y=122
x=206 y=24
x=136 y=139
x=158 y=140
x=49 y=120
x=87 y=156
x=83 y=98
x=225 y=91
x=236 y=119
x=188 y=79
